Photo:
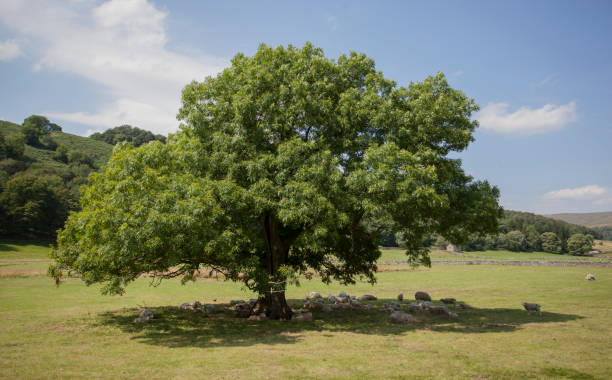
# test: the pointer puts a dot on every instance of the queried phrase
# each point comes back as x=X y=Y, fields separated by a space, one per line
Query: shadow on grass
x=7 y=248
x=172 y=327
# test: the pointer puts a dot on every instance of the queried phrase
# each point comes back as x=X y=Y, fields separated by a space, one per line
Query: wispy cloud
x=526 y=121
x=332 y=21
x=548 y=81
x=578 y=193
x=121 y=45
x=9 y=50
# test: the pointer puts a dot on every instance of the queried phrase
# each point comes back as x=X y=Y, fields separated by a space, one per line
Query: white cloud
x=527 y=121
x=585 y=192
x=121 y=45
x=9 y=50
x=603 y=201
x=332 y=22
x=549 y=80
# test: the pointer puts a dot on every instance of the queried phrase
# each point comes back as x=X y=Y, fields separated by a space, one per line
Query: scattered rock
x=342 y=299
x=391 y=307
x=448 y=301
x=331 y=298
x=465 y=306
x=415 y=307
x=304 y=317
x=340 y=306
x=314 y=295
x=312 y=306
x=427 y=304
x=258 y=317
x=422 y=296
x=145 y=316
x=400 y=297
x=453 y=315
x=326 y=308
x=196 y=305
x=362 y=306
x=590 y=277
x=342 y=295
x=242 y=310
x=400 y=317
x=438 y=310
x=209 y=309
x=236 y=302
x=185 y=306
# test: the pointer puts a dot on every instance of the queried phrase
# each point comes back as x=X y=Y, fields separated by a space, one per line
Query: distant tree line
x=127 y=133
x=521 y=231
x=605 y=232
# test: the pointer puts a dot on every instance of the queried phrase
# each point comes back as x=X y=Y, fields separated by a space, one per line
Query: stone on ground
x=400 y=317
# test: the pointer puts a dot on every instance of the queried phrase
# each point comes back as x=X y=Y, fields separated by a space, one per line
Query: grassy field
x=72 y=331
x=391 y=255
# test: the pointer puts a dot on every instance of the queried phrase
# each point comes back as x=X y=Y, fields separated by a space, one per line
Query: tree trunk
x=273 y=302
x=274 y=305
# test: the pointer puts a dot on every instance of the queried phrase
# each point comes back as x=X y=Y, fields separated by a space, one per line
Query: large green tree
x=283 y=163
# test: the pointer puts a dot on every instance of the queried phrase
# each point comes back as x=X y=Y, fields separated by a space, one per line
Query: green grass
x=72 y=331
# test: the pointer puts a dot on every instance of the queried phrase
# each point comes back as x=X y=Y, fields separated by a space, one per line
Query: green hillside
x=41 y=172
x=99 y=151
x=590 y=219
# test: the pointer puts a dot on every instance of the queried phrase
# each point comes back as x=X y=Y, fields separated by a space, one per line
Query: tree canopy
x=127 y=133
x=579 y=244
x=285 y=163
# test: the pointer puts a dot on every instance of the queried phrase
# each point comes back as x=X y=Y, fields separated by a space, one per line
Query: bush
x=14 y=146
x=78 y=157
x=515 y=241
x=579 y=244
x=550 y=242
x=61 y=154
x=48 y=142
x=12 y=166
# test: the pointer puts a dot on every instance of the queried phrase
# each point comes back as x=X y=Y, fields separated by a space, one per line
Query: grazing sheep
x=449 y=301
x=531 y=307
x=422 y=296
x=590 y=277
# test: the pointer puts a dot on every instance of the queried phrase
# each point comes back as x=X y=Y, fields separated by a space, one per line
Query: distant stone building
x=453 y=248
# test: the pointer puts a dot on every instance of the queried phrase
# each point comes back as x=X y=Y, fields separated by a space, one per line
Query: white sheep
x=531 y=307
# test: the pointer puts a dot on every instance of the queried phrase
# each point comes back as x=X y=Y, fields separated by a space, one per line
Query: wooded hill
x=518 y=231
x=598 y=221
x=42 y=169
x=590 y=219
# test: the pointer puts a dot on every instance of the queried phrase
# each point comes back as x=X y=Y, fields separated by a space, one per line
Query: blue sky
x=540 y=71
